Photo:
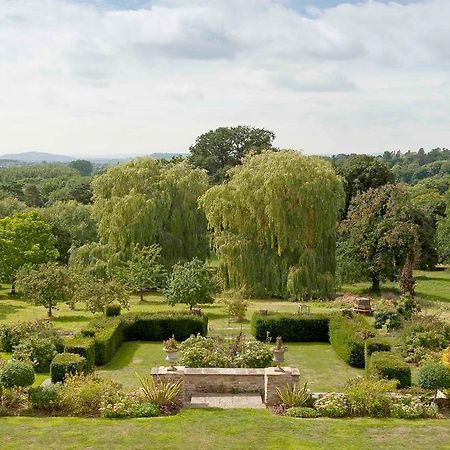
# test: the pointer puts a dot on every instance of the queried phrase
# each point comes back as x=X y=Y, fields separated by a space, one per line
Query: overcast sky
x=127 y=77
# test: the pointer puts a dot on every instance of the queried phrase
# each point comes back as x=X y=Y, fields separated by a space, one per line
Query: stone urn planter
x=171 y=348
x=278 y=353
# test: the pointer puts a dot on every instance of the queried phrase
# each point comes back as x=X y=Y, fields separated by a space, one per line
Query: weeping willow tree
x=274 y=225
x=145 y=202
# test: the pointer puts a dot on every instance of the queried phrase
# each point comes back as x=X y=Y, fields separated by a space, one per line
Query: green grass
x=231 y=429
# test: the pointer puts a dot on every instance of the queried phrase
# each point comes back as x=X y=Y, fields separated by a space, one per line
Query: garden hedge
x=66 y=363
x=389 y=366
x=291 y=327
x=377 y=344
x=83 y=346
x=346 y=337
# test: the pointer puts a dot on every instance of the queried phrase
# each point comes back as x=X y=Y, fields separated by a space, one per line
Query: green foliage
x=161 y=326
x=291 y=327
x=292 y=395
x=413 y=408
x=158 y=392
x=112 y=310
x=81 y=395
x=443 y=233
x=370 y=398
x=118 y=405
x=37 y=351
x=46 y=284
x=389 y=366
x=24 y=239
x=360 y=173
x=10 y=206
x=334 y=405
x=83 y=346
x=302 y=412
x=145 y=202
x=84 y=167
x=16 y=374
x=220 y=149
x=75 y=188
x=145 y=409
x=404 y=309
x=434 y=376
x=45 y=398
x=191 y=283
x=379 y=235
x=347 y=338
x=377 y=344
x=274 y=225
x=236 y=307
x=64 y=364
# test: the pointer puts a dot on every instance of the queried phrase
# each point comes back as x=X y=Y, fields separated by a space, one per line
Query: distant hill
x=43 y=157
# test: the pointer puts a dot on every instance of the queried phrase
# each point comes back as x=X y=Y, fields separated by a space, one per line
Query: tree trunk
x=375 y=283
x=13 y=288
x=49 y=312
x=141 y=293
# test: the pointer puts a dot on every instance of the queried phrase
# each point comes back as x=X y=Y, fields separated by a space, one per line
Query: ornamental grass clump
x=160 y=393
x=292 y=395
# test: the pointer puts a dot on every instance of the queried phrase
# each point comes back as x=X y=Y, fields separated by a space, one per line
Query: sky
x=129 y=77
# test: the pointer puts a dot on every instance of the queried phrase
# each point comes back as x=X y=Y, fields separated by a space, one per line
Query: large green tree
x=360 y=173
x=25 y=238
x=220 y=149
x=379 y=236
x=85 y=168
x=274 y=225
x=144 y=202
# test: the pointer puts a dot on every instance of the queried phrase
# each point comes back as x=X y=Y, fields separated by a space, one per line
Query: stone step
x=226 y=401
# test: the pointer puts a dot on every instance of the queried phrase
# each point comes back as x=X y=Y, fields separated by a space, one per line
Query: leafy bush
x=17 y=374
x=446 y=357
x=117 y=405
x=83 y=346
x=161 y=326
x=413 y=408
x=81 y=395
x=293 y=395
x=237 y=307
x=64 y=364
x=302 y=412
x=389 y=366
x=37 y=351
x=45 y=398
x=434 y=376
x=145 y=409
x=346 y=337
x=402 y=311
x=160 y=393
x=370 y=398
x=112 y=310
x=253 y=355
x=377 y=344
x=333 y=405
x=291 y=327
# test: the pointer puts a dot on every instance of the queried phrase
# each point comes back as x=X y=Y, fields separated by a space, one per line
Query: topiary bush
x=377 y=344
x=64 y=364
x=17 y=374
x=291 y=327
x=83 y=346
x=389 y=366
x=45 y=398
x=112 y=310
x=434 y=376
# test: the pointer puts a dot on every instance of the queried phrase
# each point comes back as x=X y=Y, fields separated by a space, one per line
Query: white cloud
x=79 y=78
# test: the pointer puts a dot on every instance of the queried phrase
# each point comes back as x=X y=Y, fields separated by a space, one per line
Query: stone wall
x=230 y=381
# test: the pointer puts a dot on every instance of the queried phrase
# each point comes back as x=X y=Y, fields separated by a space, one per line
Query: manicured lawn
x=224 y=429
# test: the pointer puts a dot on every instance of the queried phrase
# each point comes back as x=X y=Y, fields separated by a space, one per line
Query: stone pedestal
x=273 y=379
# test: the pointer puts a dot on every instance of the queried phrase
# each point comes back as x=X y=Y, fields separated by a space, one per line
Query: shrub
x=413 y=408
x=45 y=398
x=389 y=366
x=17 y=374
x=302 y=412
x=434 y=376
x=160 y=393
x=83 y=346
x=446 y=357
x=293 y=395
x=237 y=307
x=346 y=337
x=253 y=354
x=112 y=310
x=369 y=398
x=117 y=405
x=377 y=344
x=82 y=395
x=393 y=317
x=161 y=326
x=145 y=409
x=333 y=405
x=64 y=364
x=39 y=352
x=291 y=327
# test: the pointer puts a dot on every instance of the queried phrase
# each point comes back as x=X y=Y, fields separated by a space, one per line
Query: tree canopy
x=144 y=202
x=274 y=225
x=219 y=150
x=85 y=168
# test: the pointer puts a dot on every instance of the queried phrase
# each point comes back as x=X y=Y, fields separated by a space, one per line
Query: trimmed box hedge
x=161 y=326
x=83 y=346
x=66 y=363
x=291 y=327
x=346 y=337
x=389 y=366
x=377 y=344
